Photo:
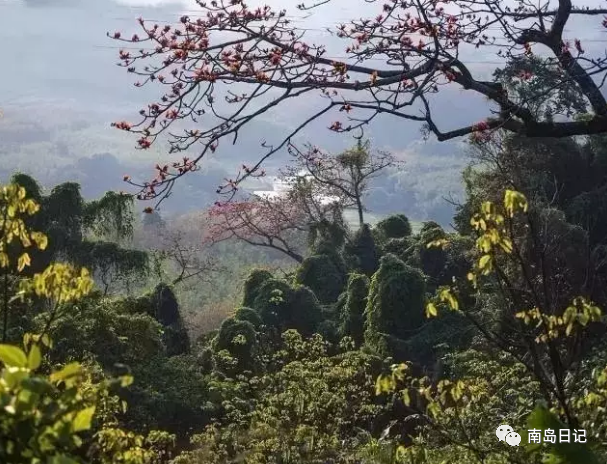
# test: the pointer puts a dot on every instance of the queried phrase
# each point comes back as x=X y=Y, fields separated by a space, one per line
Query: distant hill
x=56 y=142
x=59 y=96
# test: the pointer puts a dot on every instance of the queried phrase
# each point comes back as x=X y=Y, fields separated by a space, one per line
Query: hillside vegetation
x=355 y=317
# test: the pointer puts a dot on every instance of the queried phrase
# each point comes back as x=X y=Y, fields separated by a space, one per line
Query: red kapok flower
x=336 y=126
x=144 y=143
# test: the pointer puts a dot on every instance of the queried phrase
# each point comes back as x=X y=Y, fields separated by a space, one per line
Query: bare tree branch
x=237 y=63
x=280 y=223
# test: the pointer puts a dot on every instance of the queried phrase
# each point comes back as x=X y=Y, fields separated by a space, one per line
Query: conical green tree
x=364 y=250
x=167 y=313
x=323 y=276
x=352 y=317
x=252 y=285
x=432 y=259
x=285 y=307
x=395 y=305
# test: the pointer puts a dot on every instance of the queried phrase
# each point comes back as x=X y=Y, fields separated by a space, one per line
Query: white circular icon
x=513 y=439
x=502 y=431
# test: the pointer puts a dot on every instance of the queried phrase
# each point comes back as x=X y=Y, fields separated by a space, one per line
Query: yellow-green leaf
x=431 y=310
x=126 y=380
x=24 y=260
x=12 y=356
x=34 y=358
x=453 y=302
x=406 y=397
x=46 y=341
x=378 y=385
x=69 y=370
x=83 y=419
x=484 y=261
x=569 y=329
x=506 y=245
x=447 y=296
x=486 y=207
x=514 y=200
x=439 y=243
x=40 y=239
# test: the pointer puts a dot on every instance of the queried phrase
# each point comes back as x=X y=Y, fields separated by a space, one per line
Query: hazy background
x=61 y=89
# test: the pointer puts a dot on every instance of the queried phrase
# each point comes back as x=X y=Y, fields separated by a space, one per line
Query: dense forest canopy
x=272 y=329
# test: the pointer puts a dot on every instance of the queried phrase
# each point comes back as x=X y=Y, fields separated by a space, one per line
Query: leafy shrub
x=322 y=276
x=395 y=305
x=252 y=285
x=363 y=249
x=352 y=317
x=248 y=314
x=394 y=226
x=238 y=338
x=283 y=306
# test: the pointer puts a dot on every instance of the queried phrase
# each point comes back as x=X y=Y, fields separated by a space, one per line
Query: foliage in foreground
x=512 y=334
x=64 y=414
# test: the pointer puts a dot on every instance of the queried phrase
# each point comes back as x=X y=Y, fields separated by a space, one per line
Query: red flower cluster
x=197 y=54
x=480 y=126
x=275 y=57
x=144 y=143
x=122 y=125
x=525 y=75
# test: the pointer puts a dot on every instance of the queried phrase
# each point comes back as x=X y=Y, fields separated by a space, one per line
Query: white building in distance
x=282 y=186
